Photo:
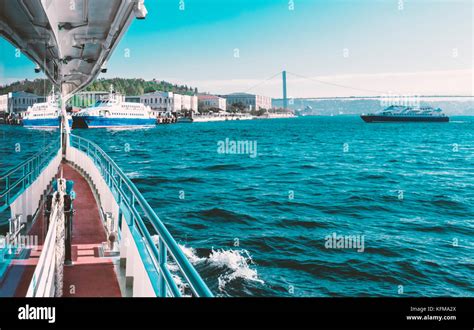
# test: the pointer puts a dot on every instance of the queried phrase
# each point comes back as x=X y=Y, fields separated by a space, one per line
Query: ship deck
x=90 y=275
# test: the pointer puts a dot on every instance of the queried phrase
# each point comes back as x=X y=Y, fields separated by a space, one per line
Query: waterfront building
x=194 y=103
x=207 y=102
x=250 y=101
x=18 y=102
x=4 y=104
x=159 y=102
x=185 y=103
x=169 y=102
x=177 y=103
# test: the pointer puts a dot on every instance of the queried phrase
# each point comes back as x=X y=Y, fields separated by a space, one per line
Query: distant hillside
x=37 y=86
x=121 y=85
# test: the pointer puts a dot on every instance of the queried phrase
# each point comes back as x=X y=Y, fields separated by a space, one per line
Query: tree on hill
x=149 y=90
x=127 y=86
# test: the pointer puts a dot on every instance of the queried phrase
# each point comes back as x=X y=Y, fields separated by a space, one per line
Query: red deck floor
x=89 y=276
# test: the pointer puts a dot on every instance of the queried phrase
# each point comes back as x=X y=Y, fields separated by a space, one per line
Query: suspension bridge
x=284 y=79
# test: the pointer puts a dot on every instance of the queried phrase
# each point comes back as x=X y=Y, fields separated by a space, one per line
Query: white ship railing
x=22 y=186
x=147 y=261
x=50 y=265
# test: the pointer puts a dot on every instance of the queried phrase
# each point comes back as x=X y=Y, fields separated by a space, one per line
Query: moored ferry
x=114 y=112
x=275 y=115
x=44 y=115
x=397 y=113
x=222 y=116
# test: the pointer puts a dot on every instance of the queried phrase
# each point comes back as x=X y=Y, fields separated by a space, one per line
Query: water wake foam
x=191 y=254
x=234 y=263
x=238 y=264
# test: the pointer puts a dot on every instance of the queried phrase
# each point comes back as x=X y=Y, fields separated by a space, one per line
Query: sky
x=329 y=48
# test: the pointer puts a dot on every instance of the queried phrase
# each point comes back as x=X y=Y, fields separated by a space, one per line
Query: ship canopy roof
x=70 y=41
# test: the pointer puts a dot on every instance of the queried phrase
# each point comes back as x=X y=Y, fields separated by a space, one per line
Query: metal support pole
x=285 y=97
x=68 y=216
x=162 y=261
x=65 y=129
x=48 y=208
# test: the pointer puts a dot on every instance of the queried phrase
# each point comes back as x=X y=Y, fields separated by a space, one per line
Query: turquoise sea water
x=259 y=225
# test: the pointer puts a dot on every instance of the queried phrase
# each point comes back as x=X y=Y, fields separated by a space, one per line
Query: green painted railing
x=137 y=210
x=16 y=180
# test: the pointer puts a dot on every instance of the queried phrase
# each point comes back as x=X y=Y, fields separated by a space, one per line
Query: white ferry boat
x=44 y=115
x=221 y=116
x=275 y=115
x=397 y=113
x=114 y=112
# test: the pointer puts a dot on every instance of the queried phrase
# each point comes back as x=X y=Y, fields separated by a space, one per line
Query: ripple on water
x=219 y=215
x=235 y=196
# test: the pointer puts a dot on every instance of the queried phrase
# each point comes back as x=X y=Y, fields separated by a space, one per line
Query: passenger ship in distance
x=397 y=113
x=114 y=112
x=211 y=117
x=44 y=115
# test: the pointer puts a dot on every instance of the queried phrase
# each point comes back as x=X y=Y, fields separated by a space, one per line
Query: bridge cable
x=337 y=85
x=262 y=82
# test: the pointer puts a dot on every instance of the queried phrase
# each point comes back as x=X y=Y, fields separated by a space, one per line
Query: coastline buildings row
x=18 y=102
x=173 y=102
x=249 y=101
x=160 y=102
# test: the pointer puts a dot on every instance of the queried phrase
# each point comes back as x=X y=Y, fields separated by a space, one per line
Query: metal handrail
x=20 y=177
x=131 y=198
